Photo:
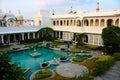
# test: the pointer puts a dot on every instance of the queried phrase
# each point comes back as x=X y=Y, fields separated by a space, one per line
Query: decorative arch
x=102 y=22
x=117 y=22
x=86 y=22
x=96 y=22
x=10 y=22
x=109 y=22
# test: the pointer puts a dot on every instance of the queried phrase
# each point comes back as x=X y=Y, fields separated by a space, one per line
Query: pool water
x=24 y=60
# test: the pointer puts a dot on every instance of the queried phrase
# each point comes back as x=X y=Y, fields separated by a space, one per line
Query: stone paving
x=112 y=74
x=71 y=70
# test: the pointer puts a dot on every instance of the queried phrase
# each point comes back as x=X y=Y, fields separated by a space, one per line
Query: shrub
x=117 y=55
x=42 y=74
x=103 y=64
x=93 y=47
x=79 y=59
x=90 y=64
x=30 y=41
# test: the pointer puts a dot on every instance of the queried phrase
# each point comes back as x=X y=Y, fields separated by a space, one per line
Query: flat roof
x=19 y=29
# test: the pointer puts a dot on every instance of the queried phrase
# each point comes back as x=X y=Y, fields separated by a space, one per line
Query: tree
x=46 y=33
x=79 y=38
x=111 y=39
x=9 y=71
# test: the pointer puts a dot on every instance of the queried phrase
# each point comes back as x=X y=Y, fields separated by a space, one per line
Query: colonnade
x=100 y=22
x=10 y=38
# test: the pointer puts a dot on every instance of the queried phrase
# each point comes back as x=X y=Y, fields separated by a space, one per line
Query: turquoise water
x=24 y=60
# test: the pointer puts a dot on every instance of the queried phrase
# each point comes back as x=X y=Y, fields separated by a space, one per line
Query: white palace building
x=14 y=29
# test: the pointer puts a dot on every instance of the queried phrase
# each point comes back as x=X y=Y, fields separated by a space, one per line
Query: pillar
x=2 y=37
x=22 y=36
x=28 y=35
x=34 y=35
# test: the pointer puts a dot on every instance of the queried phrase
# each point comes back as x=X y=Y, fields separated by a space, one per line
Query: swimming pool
x=24 y=60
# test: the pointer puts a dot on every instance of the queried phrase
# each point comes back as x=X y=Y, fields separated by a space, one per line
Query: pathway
x=112 y=74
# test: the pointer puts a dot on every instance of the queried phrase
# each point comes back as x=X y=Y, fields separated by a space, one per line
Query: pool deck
x=71 y=70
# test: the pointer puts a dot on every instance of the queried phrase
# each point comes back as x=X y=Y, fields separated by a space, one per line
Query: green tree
x=111 y=39
x=9 y=71
x=79 y=38
x=46 y=33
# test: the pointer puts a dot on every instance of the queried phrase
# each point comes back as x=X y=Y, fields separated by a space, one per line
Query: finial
x=97 y=9
x=53 y=12
x=71 y=8
x=97 y=4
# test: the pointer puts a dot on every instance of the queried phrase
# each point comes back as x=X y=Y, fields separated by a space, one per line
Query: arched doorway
x=117 y=22
x=109 y=22
x=86 y=38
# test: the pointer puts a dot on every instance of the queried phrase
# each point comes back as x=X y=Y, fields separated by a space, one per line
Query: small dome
x=19 y=16
x=1 y=14
x=10 y=15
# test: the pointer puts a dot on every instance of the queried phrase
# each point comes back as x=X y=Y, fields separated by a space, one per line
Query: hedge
x=103 y=64
x=117 y=55
x=42 y=74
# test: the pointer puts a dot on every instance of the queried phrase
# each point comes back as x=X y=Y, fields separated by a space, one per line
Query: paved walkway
x=71 y=70
x=112 y=74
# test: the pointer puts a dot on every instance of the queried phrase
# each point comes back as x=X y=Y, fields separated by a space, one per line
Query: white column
x=28 y=35
x=2 y=37
x=98 y=40
x=37 y=35
x=34 y=35
x=99 y=22
x=22 y=36
x=14 y=37
x=94 y=22
x=105 y=23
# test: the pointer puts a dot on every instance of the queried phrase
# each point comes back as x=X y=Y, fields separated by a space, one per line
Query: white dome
x=10 y=15
x=1 y=14
x=19 y=16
